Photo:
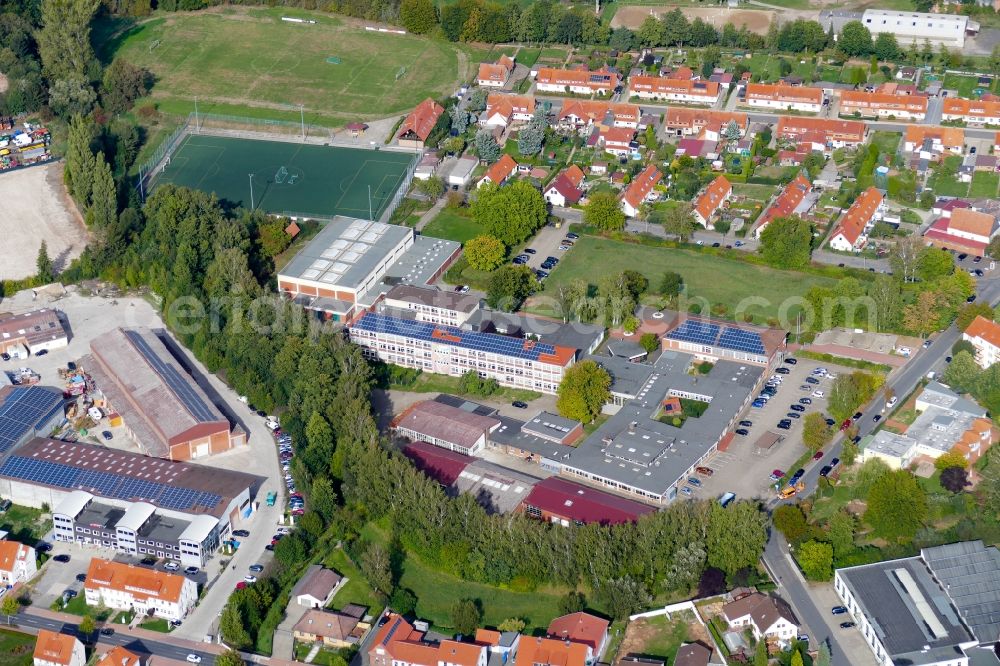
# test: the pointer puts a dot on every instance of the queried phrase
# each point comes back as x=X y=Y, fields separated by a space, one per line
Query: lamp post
x=302 y=118
x=251 y=192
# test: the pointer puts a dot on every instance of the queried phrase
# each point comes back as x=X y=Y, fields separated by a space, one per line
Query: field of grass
x=16 y=649
x=887 y=142
x=716 y=279
x=453 y=224
x=156 y=624
x=356 y=590
x=437 y=592
x=24 y=524
x=250 y=62
x=984 y=184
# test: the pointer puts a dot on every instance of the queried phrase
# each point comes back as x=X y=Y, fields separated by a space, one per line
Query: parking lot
x=546 y=244
x=745 y=471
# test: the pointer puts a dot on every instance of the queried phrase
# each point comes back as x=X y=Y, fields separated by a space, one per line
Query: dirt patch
x=37 y=208
x=755 y=20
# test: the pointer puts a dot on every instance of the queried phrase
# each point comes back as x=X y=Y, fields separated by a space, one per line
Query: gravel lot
x=741 y=469
x=37 y=208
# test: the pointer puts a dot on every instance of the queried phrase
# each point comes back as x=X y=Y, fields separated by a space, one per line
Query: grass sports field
x=248 y=62
x=288 y=177
x=716 y=279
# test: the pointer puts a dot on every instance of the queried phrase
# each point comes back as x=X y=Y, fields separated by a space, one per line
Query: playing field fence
x=197 y=123
x=404 y=187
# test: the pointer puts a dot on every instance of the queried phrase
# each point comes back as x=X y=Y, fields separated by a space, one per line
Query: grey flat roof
x=498 y=489
x=345 y=252
x=652 y=456
x=100 y=515
x=970 y=572
x=906 y=613
x=511 y=432
x=448 y=300
x=551 y=424
x=418 y=265
x=162 y=528
x=627 y=378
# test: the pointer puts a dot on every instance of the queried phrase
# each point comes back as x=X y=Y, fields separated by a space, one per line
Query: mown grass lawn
x=437 y=592
x=984 y=184
x=669 y=636
x=716 y=279
x=16 y=648
x=356 y=590
x=250 y=62
x=454 y=224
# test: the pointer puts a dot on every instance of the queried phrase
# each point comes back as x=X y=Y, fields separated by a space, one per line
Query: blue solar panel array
x=705 y=333
x=178 y=385
x=695 y=331
x=107 y=484
x=23 y=410
x=740 y=340
x=486 y=342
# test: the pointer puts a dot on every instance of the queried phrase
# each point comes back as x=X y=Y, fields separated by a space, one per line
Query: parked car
x=256 y=568
x=249 y=578
x=812 y=380
x=793 y=415
x=742 y=432
x=847 y=625
x=171 y=566
x=704 y=471
x=826 y=469
x=791 y=361
x=877 y=418
x=834 y=462
x=106 y=434
x=818 y=394
x=817 y=455
x=81 y=578
x=797 y=408
x=694 y=481
x=241 y=533
x=530 y=250
x=838 y=610
x=782 y=371
x=520 y=404
x=61 y=558
x=191 y=571
x=107 y=631
x=830 y=422
x=746 y=424
x=194 y=659
x=776 y=474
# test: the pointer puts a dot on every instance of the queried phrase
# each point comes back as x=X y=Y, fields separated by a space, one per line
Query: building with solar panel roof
x=162 y=407
x=134 y=503
x=711 y=340
x=941 y=608
x=27 y=412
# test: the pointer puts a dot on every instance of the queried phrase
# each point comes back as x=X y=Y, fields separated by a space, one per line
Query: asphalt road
x=140 y=646
x=776 y=555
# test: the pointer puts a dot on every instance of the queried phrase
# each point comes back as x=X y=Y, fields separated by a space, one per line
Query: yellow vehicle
x=790 y=491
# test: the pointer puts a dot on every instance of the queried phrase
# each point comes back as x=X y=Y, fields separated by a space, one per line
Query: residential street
x=776 y=556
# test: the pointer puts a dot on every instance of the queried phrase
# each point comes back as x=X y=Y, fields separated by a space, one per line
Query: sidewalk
x=430 y=214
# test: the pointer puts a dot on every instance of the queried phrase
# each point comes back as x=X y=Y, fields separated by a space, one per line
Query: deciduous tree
x=485 y=253
x=583 y=391
x=897 y=505
x=815 y=432
x=950 y=459
x=418 y=16
x=229 y=658
x=962 y=374
x=466 y=616
x=123 y=83
x=604 y=212
x=678 y=221
x=816 y=560
x=855 y=39
x=375 y=566
x=787 y=242
x=64 y=40
x=736 y=536
x=954 y=479
x=791 y=521
x=511 y=213
x=508 y=286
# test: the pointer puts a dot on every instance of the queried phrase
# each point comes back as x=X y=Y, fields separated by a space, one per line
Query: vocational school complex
x=376 y=279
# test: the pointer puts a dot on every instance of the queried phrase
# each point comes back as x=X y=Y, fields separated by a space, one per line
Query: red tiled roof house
x=640 y=190
x=495 y=75
x=850 y=234
x=417 y=126
x=711 y=200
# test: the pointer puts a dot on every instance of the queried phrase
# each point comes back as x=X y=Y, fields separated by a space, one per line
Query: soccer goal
x=401 y=72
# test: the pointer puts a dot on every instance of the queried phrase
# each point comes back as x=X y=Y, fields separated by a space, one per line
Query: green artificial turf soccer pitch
x=302 y=180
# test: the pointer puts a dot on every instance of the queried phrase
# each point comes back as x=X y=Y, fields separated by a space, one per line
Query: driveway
x=744 y=471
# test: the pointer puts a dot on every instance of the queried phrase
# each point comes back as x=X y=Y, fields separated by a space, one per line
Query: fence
x=265 y=125
x=401 y=192
x=162 y=152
